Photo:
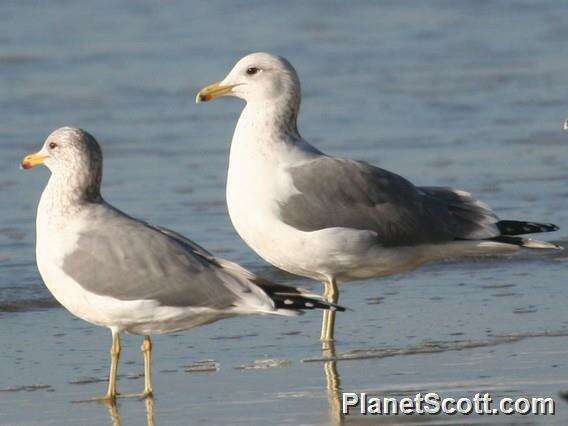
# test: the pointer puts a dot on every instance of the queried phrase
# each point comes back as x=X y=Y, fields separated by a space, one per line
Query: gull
x=115 y=271
x=333 y=219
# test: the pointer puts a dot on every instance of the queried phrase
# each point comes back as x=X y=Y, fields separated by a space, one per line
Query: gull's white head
x=72 y=154
x=258 y=77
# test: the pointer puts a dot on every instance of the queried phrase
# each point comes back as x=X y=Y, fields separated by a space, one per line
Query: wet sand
x=255 y=370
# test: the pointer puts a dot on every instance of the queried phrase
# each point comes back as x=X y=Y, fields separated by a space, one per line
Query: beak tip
x=213 y=91
x=32 y=160
x=200 y=98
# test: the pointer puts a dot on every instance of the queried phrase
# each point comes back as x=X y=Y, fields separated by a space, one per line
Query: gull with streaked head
x=115 y=271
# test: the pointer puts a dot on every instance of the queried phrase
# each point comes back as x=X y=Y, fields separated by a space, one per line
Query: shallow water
x=469 y=94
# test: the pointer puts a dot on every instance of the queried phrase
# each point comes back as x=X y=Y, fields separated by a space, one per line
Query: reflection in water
x=149 y=411
x=114 y=412
x=333 y=383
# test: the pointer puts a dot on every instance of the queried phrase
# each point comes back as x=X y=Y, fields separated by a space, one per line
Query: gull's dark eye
x=252 y=70
x=52 y=145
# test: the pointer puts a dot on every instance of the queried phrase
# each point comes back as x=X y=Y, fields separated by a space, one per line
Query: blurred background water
x=470 y=94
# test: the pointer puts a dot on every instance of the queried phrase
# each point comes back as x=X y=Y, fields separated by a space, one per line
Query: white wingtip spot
x=462 y=193
x=309 y=305
x=288 y=302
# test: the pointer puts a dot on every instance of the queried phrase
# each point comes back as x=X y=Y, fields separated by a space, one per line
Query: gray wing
x=127 y=259
x=192 y=245
x=335 y=192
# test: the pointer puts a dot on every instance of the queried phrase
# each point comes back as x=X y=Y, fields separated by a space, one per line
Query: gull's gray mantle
x=125 y=259
x=335 y=192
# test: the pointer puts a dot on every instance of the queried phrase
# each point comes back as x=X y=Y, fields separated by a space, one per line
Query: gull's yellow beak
x=33 y=160
x=213 y=91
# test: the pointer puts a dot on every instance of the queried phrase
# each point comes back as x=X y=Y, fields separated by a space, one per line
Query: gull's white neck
x=268 y=132
x=268 y=123
x=63 y=197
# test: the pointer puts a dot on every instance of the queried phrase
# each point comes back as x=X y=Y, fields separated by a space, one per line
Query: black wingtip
x=338 y=308
x=515 y=227
x=300 y=302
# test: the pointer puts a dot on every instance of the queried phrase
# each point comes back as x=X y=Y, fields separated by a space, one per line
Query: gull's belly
x=136 y=316
x=70 y=294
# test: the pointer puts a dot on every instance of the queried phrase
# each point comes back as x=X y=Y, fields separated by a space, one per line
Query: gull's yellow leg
x=331 y=294
x=114 y=358
x=146 y=349
x=110 y=396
